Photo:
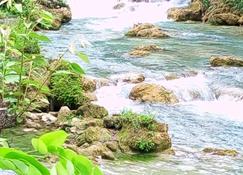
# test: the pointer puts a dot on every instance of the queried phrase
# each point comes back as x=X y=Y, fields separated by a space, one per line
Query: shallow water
x=213 y=119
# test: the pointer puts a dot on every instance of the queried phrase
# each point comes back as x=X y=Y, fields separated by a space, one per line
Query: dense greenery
x=68 y=163
x=236 y=4
x=67 y=90
x=146 y=146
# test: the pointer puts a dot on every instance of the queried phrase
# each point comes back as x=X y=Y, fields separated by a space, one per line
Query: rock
x=224 y=19
x=93 y=134
x=221 y=152
x=114 y=122
x=96 y=150
x=86 y=123
x=139 y=53
x=138 y=134
x=193 y=12
x=129 y=78
x=32 y=116
x=48 y=119
x=173 y=76
x=241 y=21
x=89 y=96
x=40 y=103
x=146 y=30
x=92 y=111
x=119 y=6
x=145 y=92
x=112 y=145
x=226 y=61
x=100 y=82
x=29 y=130
x=144 y=50
x=33 y=125
x=61 y=15
x=63 y=113
x=88 y=84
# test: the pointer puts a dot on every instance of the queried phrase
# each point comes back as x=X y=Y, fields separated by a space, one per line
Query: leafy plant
x=236 y=4
x=69 y=162
x=143 y=145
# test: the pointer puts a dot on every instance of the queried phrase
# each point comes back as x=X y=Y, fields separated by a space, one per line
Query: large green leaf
x=39 y=37
x=76 y=68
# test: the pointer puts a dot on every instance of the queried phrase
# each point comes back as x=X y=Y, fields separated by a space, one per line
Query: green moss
x=66 y=90
x=138 y=120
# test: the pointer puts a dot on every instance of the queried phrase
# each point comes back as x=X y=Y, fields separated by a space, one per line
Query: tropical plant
x=69 y=162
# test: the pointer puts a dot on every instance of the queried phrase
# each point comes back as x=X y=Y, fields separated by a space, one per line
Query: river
x=214 y=118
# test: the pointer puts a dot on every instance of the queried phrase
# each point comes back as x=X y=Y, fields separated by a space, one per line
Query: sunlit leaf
x=83 y=57
x=76 y=68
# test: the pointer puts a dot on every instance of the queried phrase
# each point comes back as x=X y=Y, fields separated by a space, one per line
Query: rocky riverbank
x=216 y=12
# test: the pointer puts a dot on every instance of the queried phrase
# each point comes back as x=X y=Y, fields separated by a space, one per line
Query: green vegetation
x=138 y=120
x=68 y=163
x=67 y=90
x=236 y=4
x=146 y=146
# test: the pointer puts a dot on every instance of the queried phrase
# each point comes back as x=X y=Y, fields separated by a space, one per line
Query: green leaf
x=39 y=37
x=83 y=57
x=55 y=138
x=19 y=7
x=76 y=68
x=39 y=146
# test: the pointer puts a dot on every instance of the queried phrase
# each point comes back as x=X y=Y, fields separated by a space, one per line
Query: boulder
x=240 y=21
x=221 y=152
x=146 y=92
x=48 y=119
x=88 y=84
x=141 y=51
x=63 y=114
x=224 y=19
x=98 y=150
x=143 y=134
x=193 y=12
x=146 y=30
x=114 y=122
x=89 y=96
x=226 y=61
x=94 y=134
x=92 y=111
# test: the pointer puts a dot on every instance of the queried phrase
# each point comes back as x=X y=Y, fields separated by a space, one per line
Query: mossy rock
x=221 y=152
x=92 y=111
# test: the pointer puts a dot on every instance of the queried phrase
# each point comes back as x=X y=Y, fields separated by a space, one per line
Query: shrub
x=143 y=145
x=236 y=4
x=138 y=120
x=66 y=90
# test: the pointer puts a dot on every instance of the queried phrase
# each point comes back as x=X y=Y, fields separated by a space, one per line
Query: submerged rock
x=145 y=92
x=141 y=51
x=173 y=76
x=193 y=12
x=221 y=152
x=146 y=30
x=129 y=78
x=226 y=61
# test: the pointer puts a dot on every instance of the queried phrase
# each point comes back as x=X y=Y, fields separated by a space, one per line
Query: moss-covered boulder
x=221 y=152
x=143 y=134
x=226 y=61
x=146 y=30
x=154 y=93
x=92 y=111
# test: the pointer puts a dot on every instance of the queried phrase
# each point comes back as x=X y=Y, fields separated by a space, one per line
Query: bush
x=236 y=4
x=66 y=90
x=146 y=146
x=138 y=120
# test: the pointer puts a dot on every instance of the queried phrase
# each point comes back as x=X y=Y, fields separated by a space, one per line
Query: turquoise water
x=214 y=119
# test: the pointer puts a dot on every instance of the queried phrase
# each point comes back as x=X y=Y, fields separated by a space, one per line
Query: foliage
x=138 y=120
x=206 y=4
x=236 y=4
x=67 y=90
x=69 y=162
x=19 y=44
x=143 y=145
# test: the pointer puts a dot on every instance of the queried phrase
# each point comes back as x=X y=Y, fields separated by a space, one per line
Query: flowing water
x=210 y=111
